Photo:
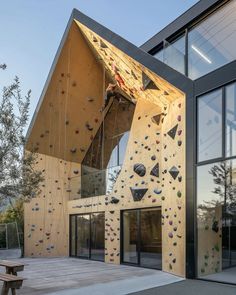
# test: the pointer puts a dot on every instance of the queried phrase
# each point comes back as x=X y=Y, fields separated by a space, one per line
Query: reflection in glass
x=174 y=54
x=216 y=221
x=151 y=239
x=97 y=236
x=211 y=44
x=73 y=235
x=231 y=120
x=210 y=126
x=107 y=150
x=130 y=236
x=83 y=235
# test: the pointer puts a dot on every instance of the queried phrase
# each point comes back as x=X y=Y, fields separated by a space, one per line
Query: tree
x=18 y=177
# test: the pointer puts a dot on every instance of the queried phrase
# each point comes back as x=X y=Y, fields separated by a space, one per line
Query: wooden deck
x=53 y=275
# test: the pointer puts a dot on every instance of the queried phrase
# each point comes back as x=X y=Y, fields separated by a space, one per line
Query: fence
x=9 y=236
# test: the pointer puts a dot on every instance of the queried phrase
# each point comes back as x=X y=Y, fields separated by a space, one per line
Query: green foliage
x=19 y=180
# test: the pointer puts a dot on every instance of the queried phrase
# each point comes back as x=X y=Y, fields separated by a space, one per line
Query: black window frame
x=223 y=139
x=90 y=236
x=138 y=264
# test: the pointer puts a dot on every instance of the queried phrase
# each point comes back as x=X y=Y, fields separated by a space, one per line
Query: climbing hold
x=114 y=200
x=155 y=170
x=174 y=172
x=73 y=150
x=148 y=83
x=157 y=119
x=179 y=194
x=172 y=132
x=153 y=158
x=139 y=169
x=138 y=193
x=157 y=191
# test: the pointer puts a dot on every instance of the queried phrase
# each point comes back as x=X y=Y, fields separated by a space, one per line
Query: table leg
x=13 y=291
x=5 y=289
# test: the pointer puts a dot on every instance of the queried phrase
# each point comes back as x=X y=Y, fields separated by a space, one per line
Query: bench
x=10 y=282
x=12 y=267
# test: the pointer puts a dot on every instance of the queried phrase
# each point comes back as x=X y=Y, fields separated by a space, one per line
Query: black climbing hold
x=215 y=226
x=114 y=200
x=174 y=172
x=148 y=83
x=153 y=158
x=155 y=170
x=172 y=132
x=157 y=119
x=140 y=169
x=138 y=193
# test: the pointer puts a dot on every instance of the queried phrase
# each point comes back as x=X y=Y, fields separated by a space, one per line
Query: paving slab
x=68 y=276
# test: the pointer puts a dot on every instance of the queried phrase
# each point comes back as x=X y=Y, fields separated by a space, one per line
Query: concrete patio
x=76 y=276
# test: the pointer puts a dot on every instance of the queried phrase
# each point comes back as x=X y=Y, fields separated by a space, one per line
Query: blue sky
x=31 y=30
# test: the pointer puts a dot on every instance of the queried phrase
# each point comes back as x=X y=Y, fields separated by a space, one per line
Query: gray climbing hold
x=155 y=170
x=172 y=132
x=174 y=172
x=138 y=193
x=139 y=169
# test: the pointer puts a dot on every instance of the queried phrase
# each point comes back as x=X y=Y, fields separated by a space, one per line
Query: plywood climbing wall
x=46 y=216
x=153 y=175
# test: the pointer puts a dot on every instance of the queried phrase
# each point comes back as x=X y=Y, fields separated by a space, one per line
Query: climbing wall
x=153 y=175
x=46 y=216
x=70 y=114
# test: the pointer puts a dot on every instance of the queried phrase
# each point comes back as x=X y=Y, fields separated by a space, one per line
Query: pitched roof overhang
x=90 y=57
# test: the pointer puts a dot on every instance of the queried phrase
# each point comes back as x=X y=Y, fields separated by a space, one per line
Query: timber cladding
x=153 y=172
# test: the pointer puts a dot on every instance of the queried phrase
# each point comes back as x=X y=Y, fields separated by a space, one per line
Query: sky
x=31 y=31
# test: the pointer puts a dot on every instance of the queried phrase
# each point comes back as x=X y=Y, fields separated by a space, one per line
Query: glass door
x=97 y=236
x=87 y=236
x=151 y=239
x=131 y=236
x=142 y=237
x=83 y=235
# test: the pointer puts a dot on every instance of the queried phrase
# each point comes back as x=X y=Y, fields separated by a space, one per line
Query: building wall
x=46 y=217
x=149 y=144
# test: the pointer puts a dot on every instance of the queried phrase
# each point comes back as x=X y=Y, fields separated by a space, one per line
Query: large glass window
x=211 y=44
x=210 y=126
x=216 y=221
x=102 y=162
x=87 y=236
x=231 y=120
x=173 y=54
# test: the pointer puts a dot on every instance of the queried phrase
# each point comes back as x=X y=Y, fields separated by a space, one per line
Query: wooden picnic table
x=12 y=267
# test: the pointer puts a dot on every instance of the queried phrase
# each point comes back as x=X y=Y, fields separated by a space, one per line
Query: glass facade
x=210 y=44
x=173 y=54
x=87 y=236
x=210 y=126
x=216 y=220
x=142 y=237
x=231 y=120
x=216 y=185
x=103 y=161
